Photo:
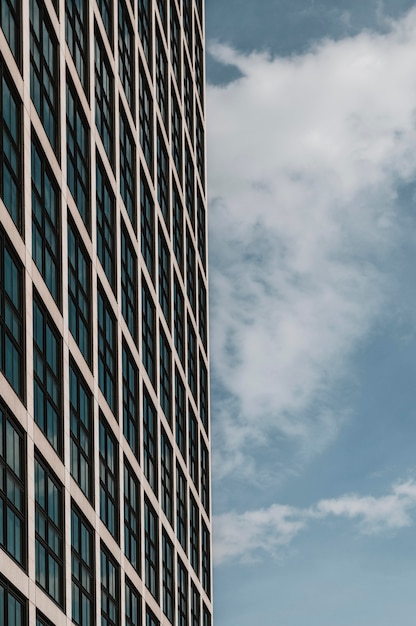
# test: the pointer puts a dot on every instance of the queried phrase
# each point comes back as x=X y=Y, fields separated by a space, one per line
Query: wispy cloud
x=305 y=156
x=243 y=536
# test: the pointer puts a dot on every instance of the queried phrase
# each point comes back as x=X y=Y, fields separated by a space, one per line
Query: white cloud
x=305 y=155
x=242 y=536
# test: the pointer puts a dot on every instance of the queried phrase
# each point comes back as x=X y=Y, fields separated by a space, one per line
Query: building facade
x=105 y=512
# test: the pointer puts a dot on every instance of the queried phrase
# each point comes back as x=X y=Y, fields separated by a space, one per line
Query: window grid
x=12 y=320
x=106 y=12
x=202 y=310
x=81 y=425
x=206 y=617
x=44 y=71
x=82 y=569
x=129 y=286
x=13 y=608
x=175 y=44
x=47 y=376
x=10 y=17
x=109 y=488
x=130 y=400
x=180 y=414
x=104 y=97
x=79 y=293
x=145 y=28
x=166 y=478
x=107 y=351
x=165 y=375
x=106 y=224
x=200 y=149
x=204 y=475
x=49 y=532
x=12 y=487
x=190 y=271
x=127 y=168
x=161 y=79
x=201 y=231
x=131 y=517
x=193 y=446
x=76 y=33
x=148 y=333
x=179 y=320
x=78 y=153
x=151 y=549
x=126 y=53
x=194 y=533
x=188 y=99
x=110 y=589
x=187 y=23
x=177 y=227
x=189 y=185
x=206 y=560
x=150 y=450
x=147 y=220
x=11 y=181
x=195 y=607
x=203 y=392
x=168 y=575
x=199 y=67
x=192 y=365
x=176 y=134
x=46 y=223
x=164 y=276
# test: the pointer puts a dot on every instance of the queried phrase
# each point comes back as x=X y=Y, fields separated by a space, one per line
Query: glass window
x=106 y=224
x=145 y=28
x=164 y=276
x=130 y=400
x=127 y=168
x=162 y=6
x=165 y=376
x=182 y=594
x=146 y=120
x=166 y=478
x=131 y=517
x=151 y=619
x=168 y=575
x=129 y=287
x=201 y=231
x=175 y=44
x=107 y=351
x=189 y=185
x=187 y=23
x=49 y=532
x=204 y=476
x=13 y=611
x=199 y=67
x=176 y=134
x=180 y=414
x=177 y=227
x=148 y=333
x=147 y=212
x=195 y=607
x=133 y=604
x=161 y=78
x=81 y=424
x=150 y=451
x=202 y=310
x=110 y=589
x=194 y=533
x=193 y=446
x=200 y=149
x=188 y=99
x=181 y=508
x=46 y=223
x=47 y=376
x=109 y=487
x=41 y=620
x=11 y=181
x=203 y=392
x=12 y=329
x=179 y=320
x=126 y=53
x=106 y=11
x=151 y=549
x=104 y=97
x=190 y=271
x=192 y=365
x=206 y=617
x=76 y=33
x=162 y=165
x=12 y=487
x=78 y=153
x=44 y=71
x=79 y=292
x=10 y=16
x=82 y=569
x=206 y=560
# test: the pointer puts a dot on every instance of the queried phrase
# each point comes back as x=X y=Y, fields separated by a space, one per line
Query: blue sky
x=311 y=111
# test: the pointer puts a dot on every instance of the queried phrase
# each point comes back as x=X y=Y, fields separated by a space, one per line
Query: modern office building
x=104 y=403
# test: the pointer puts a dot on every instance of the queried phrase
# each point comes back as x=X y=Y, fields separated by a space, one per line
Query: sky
x=311 y=137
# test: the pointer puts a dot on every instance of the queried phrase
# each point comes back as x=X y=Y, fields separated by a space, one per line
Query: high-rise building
x=104 y=379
